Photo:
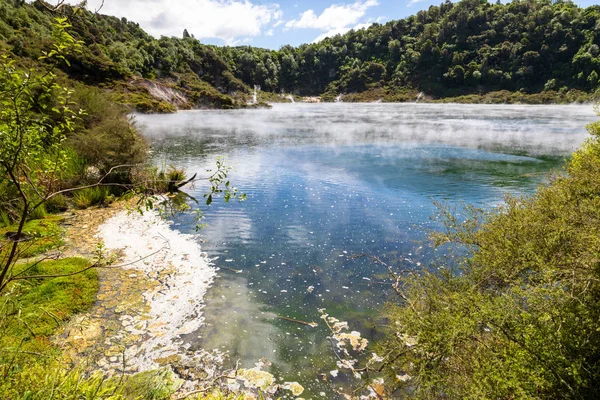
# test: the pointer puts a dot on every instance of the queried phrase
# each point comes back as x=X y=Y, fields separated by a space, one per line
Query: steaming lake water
x=328 y=181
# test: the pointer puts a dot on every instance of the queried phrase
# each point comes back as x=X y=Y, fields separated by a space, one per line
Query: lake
x=326 y=182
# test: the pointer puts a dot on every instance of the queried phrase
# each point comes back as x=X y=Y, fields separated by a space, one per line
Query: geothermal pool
x=328 y=181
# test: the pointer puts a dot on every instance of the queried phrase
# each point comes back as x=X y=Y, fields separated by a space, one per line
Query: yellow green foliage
x=519 y=317
x=44 y=235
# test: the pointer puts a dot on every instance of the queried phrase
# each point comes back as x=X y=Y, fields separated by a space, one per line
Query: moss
x=30 y=313
x=44 y=233
x=150 y=385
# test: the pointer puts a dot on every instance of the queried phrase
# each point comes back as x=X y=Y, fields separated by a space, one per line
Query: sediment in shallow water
x=180 y=274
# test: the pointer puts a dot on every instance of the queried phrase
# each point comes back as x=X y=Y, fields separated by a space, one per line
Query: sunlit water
x=326 y=182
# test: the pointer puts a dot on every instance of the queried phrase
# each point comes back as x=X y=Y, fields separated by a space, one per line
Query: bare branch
x=99 y=8
x=93 y=266
x=50 y=8
x=99 y=183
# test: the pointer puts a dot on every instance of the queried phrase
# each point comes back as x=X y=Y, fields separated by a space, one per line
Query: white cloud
x=333 y=18
x=228 y=20
x=340 y=31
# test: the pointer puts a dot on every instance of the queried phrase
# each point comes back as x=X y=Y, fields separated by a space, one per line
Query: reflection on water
x=325 y=182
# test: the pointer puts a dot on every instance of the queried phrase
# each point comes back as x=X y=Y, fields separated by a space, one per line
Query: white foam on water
x=184 y=274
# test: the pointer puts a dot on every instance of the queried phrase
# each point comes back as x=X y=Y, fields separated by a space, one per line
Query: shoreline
x=149 y=297
x=149 y=301
x=179 y=273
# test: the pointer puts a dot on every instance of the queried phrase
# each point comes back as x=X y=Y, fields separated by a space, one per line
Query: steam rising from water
x=331 y=180
x=490 y=127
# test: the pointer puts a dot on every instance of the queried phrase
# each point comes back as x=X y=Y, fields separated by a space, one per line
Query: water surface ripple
x=325 y=182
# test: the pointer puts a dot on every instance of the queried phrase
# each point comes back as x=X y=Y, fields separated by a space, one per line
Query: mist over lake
x=327 y=182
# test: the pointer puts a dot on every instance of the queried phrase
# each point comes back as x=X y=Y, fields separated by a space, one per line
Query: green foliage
x=88 y=197
x=44 y=234
x=174 y=174
x=31 y=312
x=449 y=50
x=106 y=137
x=519 y=317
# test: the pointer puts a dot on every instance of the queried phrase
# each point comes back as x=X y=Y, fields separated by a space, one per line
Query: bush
x=519 y=318
x=57 y=204
x=38 y=213
x=85 y=198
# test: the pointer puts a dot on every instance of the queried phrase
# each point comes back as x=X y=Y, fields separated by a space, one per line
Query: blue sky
x=262 y=23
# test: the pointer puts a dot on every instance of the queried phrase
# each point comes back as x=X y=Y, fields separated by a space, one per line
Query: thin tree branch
x=93 y=266
x=99 y=8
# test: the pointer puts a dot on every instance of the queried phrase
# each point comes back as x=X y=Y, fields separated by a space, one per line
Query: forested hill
x=151 y=74
x=453 y=49
x=468 y=48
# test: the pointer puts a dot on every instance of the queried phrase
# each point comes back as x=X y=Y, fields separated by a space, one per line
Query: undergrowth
x=43 y=234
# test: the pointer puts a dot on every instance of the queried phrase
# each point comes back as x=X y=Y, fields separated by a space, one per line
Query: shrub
x=57 y=204
x=38 y=213
x=85 y=198
x=519 y=318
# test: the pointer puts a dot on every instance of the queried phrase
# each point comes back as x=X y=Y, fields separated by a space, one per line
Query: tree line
x=448 y=50
x=531 y=45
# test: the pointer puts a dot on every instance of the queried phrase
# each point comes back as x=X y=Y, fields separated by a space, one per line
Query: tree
x=36 y=119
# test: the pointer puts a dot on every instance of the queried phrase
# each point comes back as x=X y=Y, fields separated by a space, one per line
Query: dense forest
x=152 y=75
x=471 y=47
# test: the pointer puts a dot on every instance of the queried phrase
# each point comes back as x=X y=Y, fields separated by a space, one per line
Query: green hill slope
x=531 y=51
x=151 y=74
x=469 y=47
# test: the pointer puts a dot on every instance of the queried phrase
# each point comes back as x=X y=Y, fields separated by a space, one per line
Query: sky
x=261 y=23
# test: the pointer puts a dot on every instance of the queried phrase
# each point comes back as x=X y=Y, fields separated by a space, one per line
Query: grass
x=85 y=198
x=31 y=366
x=30 y=313
x=45 y=233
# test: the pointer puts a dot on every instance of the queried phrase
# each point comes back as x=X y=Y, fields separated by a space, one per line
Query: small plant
x=57 y=204
x=175 y=174
x=38 y=213
x=88 y=197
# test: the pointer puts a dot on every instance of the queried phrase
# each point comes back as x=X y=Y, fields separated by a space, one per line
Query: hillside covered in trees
x=152 y=75
x=472 y=47
x=467 y=47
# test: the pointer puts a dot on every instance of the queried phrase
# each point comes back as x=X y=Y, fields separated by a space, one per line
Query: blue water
x=328 y=182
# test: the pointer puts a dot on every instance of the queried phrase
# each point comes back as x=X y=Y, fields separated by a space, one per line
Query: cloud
x=336 y=19
x=337 y=16
x=340 y=31
x=228 y=20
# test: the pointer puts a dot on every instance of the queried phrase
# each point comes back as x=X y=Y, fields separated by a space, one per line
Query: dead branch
x=99 y=8
x=95 y=265
x=311 y=324
x=180 y=184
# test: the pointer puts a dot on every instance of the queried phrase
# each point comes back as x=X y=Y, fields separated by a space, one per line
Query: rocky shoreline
x=150 y=295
